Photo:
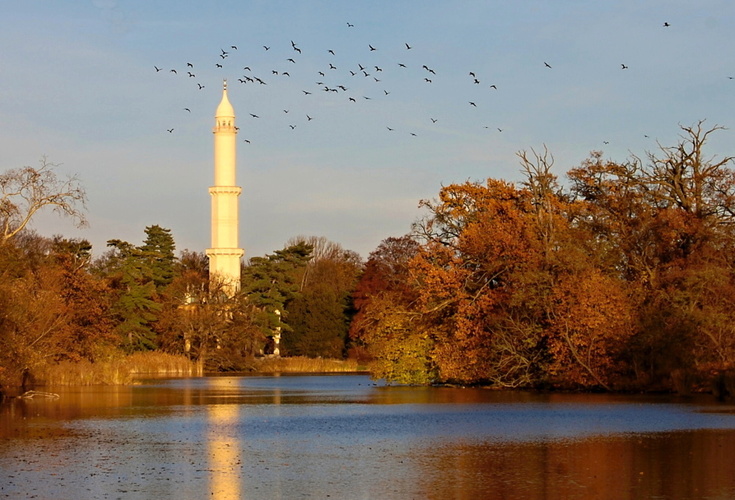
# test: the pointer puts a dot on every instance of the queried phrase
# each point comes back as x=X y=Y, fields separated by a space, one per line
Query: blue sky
x=79 y=86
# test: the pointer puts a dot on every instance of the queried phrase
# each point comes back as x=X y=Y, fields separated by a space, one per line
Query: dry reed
x=302 y=364
x=116 y=371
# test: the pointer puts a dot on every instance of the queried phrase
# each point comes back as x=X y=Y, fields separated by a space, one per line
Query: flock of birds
x=333 y=78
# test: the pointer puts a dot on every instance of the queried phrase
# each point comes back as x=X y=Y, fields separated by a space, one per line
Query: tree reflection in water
x=343 y=437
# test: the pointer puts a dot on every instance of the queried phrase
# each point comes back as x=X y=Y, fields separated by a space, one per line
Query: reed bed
x=160 y=363
x=116 y=371
x=302 y=364
x=124 y=370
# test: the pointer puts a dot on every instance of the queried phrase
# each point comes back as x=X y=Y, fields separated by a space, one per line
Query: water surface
x=343 y=436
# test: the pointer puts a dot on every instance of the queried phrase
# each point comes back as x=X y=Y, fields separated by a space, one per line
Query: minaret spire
x=224 y=256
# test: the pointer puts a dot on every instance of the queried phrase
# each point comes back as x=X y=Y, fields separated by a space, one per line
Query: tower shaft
x=225 y=254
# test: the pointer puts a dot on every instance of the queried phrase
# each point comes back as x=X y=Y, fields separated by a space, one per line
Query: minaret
x=224 y=256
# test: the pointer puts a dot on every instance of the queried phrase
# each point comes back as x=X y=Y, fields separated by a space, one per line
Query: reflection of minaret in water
x=223 y=444
x=224 y=256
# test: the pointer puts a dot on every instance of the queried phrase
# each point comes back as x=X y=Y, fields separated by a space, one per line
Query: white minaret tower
x=224 y=256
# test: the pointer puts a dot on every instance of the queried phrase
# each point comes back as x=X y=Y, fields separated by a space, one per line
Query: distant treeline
x=619 y=278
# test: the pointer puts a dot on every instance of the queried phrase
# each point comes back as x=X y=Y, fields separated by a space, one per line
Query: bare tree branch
x=25 y=191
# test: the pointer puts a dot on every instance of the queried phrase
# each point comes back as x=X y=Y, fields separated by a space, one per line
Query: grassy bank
x=302 y=364
x=116 y=371
x=124 y=369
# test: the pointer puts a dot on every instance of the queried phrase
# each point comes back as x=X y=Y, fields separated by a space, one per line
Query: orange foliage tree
x=481 y=284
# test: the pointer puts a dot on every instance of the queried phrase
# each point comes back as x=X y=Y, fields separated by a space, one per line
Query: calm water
x=346 y=437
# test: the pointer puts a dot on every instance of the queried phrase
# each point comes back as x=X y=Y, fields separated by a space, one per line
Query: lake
x=345 y=436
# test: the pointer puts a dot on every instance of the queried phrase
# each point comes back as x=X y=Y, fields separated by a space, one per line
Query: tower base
x=224 y=268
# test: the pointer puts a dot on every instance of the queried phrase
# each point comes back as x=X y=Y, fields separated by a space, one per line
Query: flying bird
x=173 y=71
x=401 y=65
x=408 y=47
x=191 y=75
x=233 y=47
x=291 y=60
x=254 y=116
x=331 y=51
x=266 y=47
x=427 y=80
x=624 y=66
x=494 y=87
x=389 y=129
x=473 y=104
x=292 y=126
x=472 y=74
x=306 y=92
x=434 y=120
x=309 y=118
x=170 y=130
x=218 y=65
x=371 y=47
x=666 y=25
x=350 y=25
x=200 y=86
x=157 y=69
x=187 y=109
x=189 y=65
x=547 y=65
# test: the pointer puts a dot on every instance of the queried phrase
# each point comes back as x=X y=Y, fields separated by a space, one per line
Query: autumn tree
x=199 y=320
x=387 y=324
x=665 y=223
x=477 y=288
x=53 y=309
x=89 y=329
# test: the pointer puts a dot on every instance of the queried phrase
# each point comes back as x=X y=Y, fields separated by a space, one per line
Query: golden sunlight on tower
x=224 y=255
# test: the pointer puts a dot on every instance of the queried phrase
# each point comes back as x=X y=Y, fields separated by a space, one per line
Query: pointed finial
x=224 y=84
